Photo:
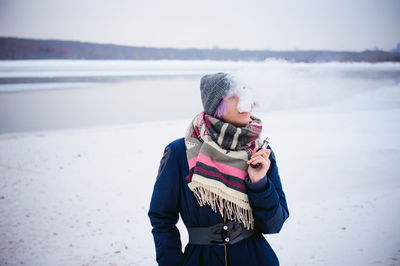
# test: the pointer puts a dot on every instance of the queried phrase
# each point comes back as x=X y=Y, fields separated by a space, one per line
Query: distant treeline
x=19 y=48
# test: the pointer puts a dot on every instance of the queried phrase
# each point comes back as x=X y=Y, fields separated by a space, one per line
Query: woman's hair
x=221 y=109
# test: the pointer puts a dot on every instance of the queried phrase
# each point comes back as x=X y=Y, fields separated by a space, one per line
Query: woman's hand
x=255 y=174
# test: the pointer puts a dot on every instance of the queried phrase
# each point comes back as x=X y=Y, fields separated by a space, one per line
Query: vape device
x=264 y=145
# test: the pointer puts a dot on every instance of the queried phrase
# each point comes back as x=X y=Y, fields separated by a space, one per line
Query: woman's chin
x=245 y=116
x=244 y=120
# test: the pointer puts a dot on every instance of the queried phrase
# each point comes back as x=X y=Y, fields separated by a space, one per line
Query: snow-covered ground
x=81 y=196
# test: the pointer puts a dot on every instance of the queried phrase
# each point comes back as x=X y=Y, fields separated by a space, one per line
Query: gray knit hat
x=213 y=88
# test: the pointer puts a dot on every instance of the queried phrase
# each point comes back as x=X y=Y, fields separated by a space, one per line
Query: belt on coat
x=219 y=234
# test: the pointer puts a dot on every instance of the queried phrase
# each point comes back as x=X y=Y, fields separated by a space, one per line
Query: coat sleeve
x=164 y=210
x=268 y=201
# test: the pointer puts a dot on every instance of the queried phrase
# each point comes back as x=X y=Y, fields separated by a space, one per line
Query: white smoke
x=281 y=85
x=244 y=91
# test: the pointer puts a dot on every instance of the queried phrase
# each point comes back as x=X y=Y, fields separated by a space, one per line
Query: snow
x=43 y=86
x=80 y=196
x=111 y=68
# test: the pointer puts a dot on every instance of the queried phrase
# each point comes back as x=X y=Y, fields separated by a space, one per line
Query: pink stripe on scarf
x=223 y=168
x=221 y=177
x=192 y=162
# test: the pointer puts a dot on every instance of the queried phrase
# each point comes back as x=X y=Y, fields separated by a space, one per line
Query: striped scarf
x=217 y=154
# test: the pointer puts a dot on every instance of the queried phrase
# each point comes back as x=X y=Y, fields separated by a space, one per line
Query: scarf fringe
x=236 y=208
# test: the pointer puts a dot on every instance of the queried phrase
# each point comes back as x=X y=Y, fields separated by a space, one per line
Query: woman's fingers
x=257 y=157
x=257 y=160
x=262 y=156
x=263 y=152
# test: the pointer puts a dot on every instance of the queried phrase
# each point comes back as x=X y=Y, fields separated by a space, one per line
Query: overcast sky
x=353 y=25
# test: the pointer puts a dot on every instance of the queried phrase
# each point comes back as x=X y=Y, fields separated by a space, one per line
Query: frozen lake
x=60 y=94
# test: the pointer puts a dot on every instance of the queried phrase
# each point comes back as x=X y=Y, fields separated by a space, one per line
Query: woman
x=206 y=177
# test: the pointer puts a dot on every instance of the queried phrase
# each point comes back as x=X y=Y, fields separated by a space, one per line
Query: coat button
x=227 y=239
x=225 y=227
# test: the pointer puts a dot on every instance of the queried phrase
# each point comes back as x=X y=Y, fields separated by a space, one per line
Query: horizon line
x=194 y=48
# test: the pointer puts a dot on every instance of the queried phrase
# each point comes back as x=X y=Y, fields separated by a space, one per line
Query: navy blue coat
x=171 y=197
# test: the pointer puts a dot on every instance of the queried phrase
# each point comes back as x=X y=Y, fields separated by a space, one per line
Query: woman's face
x=232 y=114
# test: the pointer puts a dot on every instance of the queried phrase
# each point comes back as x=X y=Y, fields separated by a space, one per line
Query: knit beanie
x=213 y=88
